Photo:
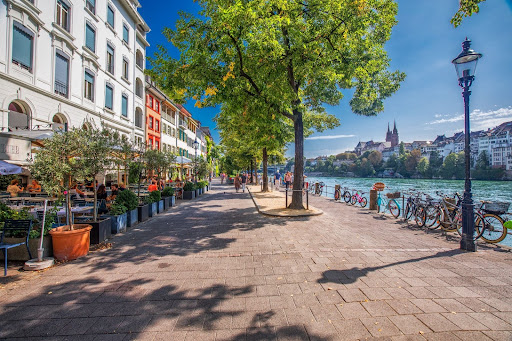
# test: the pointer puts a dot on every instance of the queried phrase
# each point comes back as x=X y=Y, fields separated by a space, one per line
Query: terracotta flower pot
x=70 y=244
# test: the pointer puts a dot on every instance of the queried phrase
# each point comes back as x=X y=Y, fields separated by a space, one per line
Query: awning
x=33 y=135
x=7 y=168
x=183 y=160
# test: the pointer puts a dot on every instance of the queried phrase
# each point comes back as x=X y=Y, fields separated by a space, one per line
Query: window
x=157 y=106
x=90 y=37
x=157 y=125
x=61 y=74
x=150 y=101
x=139 y=59
x=63 y=14
x=22 y=46
x=157 y=144
x=124 y=105
x=138 y=118
x=138 y=88
x=91 y=5
x=110 y=58
x=125 y=68
x=109 y=97
x=89 y=86
x=110 y=16
x=126 y=33
x=151 y=123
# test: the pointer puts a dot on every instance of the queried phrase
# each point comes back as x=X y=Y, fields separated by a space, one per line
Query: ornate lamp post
x=196 y=146
x=465 y=65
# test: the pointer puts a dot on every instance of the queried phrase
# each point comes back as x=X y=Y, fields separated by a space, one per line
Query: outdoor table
x=62 y=211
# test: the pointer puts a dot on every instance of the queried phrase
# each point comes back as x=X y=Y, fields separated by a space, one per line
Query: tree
x=466 y=9
x=423 y=166
x=436 y=162
x=291 y=57
x=412 y=160
x=375 y=158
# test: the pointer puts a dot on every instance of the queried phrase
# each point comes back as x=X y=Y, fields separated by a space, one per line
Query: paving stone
x=380 y=326
x=378 y=308
x=491 y=321
x=498 y=335
x=428 y=306
x=472 y=336
x=452 y=305
x=409 y=324
x=442 y=336
x=349 y=330
x=376 y=293
x=352 y=295
x=404 y=307
x=352 y=310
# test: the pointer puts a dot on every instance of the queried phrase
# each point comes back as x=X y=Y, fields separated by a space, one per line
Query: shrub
x=168 y=191
x=189 y=186
x=154 y=196
x=117 y=209
x=128 y=199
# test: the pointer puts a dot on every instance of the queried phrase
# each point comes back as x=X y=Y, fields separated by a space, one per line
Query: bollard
x=373 y=200
x=286 y=195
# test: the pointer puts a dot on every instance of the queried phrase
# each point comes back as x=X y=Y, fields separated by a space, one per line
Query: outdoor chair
x=179 y=193
x=15 y=228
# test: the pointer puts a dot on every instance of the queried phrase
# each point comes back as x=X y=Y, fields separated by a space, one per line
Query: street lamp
x=196 y=146
x=465 y=65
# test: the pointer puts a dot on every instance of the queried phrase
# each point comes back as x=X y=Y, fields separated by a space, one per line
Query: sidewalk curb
x=305 y=214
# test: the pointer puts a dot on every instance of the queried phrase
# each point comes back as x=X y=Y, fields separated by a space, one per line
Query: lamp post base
x=467 y=244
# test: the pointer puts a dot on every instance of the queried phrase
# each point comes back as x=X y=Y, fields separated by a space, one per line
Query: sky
x=423 y=44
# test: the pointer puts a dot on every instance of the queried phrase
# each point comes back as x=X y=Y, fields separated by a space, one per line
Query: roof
x=183 y=110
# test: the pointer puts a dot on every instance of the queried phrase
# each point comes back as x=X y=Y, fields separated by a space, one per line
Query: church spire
x=389 y=131
x=395 y=131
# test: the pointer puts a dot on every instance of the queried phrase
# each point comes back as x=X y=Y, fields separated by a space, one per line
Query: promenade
x=215 y=269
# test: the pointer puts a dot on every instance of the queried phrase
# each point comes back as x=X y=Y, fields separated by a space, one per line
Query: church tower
x=388 y=135
x=394 y=136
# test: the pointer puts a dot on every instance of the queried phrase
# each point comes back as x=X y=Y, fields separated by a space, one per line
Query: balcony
x=61 y=88
x=183 y=124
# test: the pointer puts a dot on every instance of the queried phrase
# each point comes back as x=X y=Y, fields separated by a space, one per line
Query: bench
x=14 y=228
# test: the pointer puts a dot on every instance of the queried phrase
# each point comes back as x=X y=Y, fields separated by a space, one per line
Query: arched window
x=138 y=118
x=139 y=88
x=139 y=59
x=60 y=123
x=19 y=116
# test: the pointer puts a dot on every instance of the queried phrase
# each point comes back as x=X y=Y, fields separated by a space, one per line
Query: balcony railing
x=61 y=88
x=183 y=124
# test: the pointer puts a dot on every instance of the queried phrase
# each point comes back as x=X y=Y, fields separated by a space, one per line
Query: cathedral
x=392 y=136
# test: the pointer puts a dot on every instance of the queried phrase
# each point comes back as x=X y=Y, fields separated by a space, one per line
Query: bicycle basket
x=498 y=207
x=395 y=195
x=379 y=186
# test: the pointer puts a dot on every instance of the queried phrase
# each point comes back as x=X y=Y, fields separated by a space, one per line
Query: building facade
x=71 y=63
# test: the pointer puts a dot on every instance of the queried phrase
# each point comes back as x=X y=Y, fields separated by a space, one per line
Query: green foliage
x=135 y=171
x=154 y=196
x=128 y=199
x=5 y=180
x=466 y=9
x=189 y=186
x=117 y=209
x=168 y=191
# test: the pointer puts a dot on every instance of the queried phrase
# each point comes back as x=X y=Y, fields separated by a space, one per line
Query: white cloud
x=481 y=120
x=329 y=137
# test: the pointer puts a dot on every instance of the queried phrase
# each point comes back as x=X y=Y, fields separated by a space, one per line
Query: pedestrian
x=153 y=186
x=244 y=181
x=14 y=188
x=237 y=183
x=222 y=177
x=288 y=179
x=277 y=179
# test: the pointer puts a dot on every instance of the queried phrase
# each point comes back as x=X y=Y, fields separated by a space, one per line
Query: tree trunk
x=251 y=173
x=298 y=175
x=265 y=170
x=95 y=210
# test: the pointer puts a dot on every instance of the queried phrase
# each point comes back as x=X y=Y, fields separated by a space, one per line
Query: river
x=482 y=190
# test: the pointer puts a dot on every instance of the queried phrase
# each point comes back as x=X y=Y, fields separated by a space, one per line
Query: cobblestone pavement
x=215 y=269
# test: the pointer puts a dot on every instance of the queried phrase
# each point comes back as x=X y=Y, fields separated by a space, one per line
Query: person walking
x=244 y=181
x=237 y=183
x=222 y=177
x=277 y=179
x=288 y=179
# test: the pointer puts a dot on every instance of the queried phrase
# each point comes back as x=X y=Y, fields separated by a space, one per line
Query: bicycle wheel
x=347 y=196
x=420 y=216
x=394 y=208
x=353 y=200
x=433 y=215
x=449 y=223
x=363 y=202
x=493 y=231
x=477 y=231
x=408 y=211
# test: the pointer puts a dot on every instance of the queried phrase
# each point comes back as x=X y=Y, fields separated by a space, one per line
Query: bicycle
x=415 y=207
x=384 y=204
x=319 y=189
x=337 y=193
x=356 y=198
x=491 y=225
x=347 y=195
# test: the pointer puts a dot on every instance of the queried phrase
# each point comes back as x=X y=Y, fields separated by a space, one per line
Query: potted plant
x=189 y=191
x=152 y=199
x=118 y=218
x=197 y=189
x=168 y=196
x=56 y=166
x=129 y=200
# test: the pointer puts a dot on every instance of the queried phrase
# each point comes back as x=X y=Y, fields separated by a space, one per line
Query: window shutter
x=110 y=16
x=110 y=49
x=124 y=106
x=90 y=38
x=109 y=95
x=89 y=78
x=61 y=73
x=22 y=40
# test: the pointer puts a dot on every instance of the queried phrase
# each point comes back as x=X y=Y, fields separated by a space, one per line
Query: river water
x=482 y=190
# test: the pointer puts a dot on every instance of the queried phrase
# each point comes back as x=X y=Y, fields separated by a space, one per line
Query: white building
x=71 y=63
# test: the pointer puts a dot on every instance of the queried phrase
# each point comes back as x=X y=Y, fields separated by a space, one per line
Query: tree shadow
x=352 y=275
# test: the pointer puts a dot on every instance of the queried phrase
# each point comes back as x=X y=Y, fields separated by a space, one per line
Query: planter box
x=172 y=201
x=197 y=192
x=133 y=218
x=160 y=206
x=101 y=230
x=20 y=252
x=143 y=212
x=167 y=203
x=117 y=223
x=189 y=195
x=153 y=209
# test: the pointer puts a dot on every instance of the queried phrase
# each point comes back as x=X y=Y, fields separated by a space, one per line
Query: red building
x=153 y=117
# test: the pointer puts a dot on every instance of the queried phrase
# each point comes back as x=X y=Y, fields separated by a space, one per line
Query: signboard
x=14 y=149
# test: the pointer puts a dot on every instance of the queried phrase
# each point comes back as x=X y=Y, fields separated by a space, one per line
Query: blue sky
x=423 y=43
